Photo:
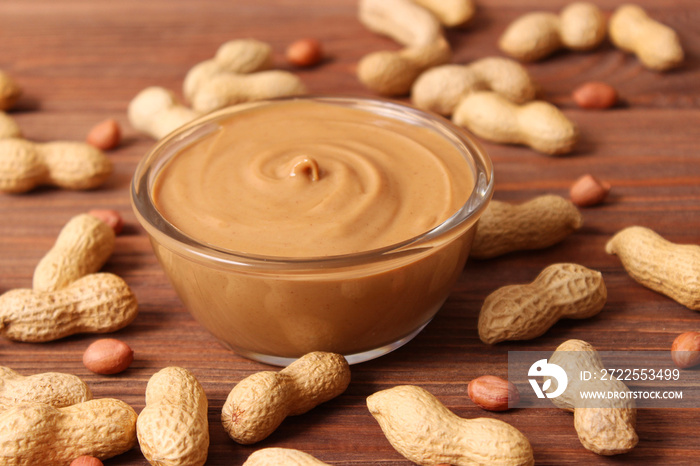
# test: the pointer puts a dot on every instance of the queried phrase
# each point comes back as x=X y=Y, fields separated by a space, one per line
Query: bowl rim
x=159 y=228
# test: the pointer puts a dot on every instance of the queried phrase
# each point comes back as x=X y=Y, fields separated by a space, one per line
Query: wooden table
x=81 y=61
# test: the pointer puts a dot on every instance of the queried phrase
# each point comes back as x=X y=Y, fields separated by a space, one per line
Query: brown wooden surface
x=82 y=61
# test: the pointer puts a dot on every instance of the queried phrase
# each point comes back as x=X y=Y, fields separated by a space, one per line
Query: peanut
x=685 y=350
x=52 y=388
x=668 y=268
x=579 y=26
x=83 y=246
x=38 y=434
x=111 y=217
x=404 y=21
x=282 y=457
x=155 y=111
x=224 y=89
x=537 y=124
x=95 y=303
x=595 y=95
x=71 y=165
x=10 y=91
x=304 y=52
x=493 y=393
x=173 y=428
x=392 y=73
x=450 y=13
x=588 y=191
x=604 y=426
x=656 y=45
x=440 y=89
x=524 y=312
x=108 y=356
x=105 y=135
x=9 y=127
x=241 y=56
x=86 y=460
x=536 y=224
x=425 y=432
x=258 y=404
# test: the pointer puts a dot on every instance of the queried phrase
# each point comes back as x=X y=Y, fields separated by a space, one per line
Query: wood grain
x=81 y=61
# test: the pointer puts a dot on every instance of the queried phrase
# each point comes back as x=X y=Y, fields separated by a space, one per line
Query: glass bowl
x=276 y=309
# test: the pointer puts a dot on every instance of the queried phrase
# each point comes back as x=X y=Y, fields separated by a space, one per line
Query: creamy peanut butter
x=308 y=179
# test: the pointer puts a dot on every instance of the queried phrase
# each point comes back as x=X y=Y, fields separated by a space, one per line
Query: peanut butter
x=306 y=179
x=300 y=179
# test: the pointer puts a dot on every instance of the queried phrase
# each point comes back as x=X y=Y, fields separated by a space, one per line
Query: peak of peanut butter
x=303 y=166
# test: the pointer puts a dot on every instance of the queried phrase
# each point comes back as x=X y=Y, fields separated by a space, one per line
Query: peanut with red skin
x=105 y=135
x=86 y=461
x=588 y=191
x=304 y=52
x=108 y=356
x=685 y=350
x=595 y=95
x=493 y=393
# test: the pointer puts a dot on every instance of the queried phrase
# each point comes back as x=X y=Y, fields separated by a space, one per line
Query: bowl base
x=351 y=358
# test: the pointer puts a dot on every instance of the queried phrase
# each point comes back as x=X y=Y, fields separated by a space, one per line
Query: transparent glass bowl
x=274 y=309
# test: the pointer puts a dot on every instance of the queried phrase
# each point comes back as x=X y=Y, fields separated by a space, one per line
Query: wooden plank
x=80 y=62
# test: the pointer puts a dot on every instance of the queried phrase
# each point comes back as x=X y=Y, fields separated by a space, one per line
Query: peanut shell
x=53 y=388
x=425 y=432
x=83 y=246
x=173 y=428
x=524 y=312
x=282 y=457
x=668 y=268
x=96 y=303
x=38 y=434
x=258 y=404
x=536 y=224
x=604 y=426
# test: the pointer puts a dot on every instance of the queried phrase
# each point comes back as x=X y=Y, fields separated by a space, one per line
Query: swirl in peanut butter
x=308 y=179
